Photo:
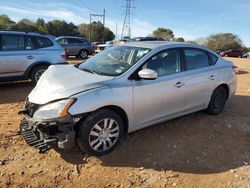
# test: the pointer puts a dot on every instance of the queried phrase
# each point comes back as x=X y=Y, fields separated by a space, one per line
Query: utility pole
x=126 y=28
x=103 y=25
x=116 y=26
x=97 y=16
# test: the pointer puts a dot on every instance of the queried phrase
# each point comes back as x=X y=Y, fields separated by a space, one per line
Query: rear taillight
x=235 y=69
x=63 y=55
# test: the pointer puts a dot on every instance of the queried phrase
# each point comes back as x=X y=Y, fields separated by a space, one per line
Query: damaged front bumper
x=41 y=135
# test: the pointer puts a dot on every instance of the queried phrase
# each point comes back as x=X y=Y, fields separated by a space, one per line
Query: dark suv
x=231 y=53
x=76 y=46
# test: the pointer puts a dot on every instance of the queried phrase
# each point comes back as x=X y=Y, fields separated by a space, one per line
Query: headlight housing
x=55 y=110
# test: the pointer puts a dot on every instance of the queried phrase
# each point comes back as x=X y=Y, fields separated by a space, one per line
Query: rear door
x=74 y=46
x=13 y=56
x=155 y=100
x=200 y=78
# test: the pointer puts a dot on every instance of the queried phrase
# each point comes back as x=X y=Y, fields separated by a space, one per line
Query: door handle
x=30 y=57
x=179 y=84
x=211 y=77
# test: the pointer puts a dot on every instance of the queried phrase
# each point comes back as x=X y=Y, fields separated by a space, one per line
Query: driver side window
x=165 y=63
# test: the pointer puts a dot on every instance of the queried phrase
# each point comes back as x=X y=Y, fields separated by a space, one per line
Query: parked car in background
x=148 y=39
x=231 y=53
x=76 y=46
x=123 y=89
x=219 y=51
x=246 y=55
x=27 y=55
x=101 y=47
x=94 y=44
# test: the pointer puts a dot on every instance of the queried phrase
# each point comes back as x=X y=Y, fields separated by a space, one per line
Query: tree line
x=58 y=28
x=219 y=41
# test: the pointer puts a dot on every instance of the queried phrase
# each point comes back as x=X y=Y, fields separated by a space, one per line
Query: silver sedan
x=123 y=89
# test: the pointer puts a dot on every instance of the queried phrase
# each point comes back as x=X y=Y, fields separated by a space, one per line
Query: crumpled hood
x=62 y=81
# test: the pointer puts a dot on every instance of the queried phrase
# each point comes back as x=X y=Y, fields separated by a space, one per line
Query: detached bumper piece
x=43 y=136
x=31 y=138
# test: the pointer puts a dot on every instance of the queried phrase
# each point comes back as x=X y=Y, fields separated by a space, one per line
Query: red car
x=231 y=53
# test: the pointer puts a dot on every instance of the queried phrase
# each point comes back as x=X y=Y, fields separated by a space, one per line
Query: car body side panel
x=120 y=95
x=199 y=87
x=154 y=99
x=15 y=63
x=225 y=75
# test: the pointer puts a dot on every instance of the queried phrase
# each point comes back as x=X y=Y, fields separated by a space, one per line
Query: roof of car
x=73 y=37
x=22 y=32
x=155 y=44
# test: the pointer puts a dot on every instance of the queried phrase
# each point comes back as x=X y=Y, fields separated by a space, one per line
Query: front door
x=155 y=100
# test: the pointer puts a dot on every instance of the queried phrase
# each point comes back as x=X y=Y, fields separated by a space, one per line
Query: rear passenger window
x=29 y=43
x=12 y=42
x=43 y=42
x=213 y=58
x=195 y=58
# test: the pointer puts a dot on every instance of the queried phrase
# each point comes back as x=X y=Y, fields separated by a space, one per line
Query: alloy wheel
x=104 y=135
x=39 y=74
x=83 y=54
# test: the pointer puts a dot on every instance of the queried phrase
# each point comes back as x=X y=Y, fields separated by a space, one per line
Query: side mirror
x=148 y=74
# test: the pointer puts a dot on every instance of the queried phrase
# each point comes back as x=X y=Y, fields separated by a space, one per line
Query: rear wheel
x=37 y=73
x=217 y=101
x=100 y=132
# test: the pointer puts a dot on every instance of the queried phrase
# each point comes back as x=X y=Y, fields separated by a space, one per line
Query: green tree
x=96 y=31
x=223 y=41
x=179 y=39
x=60 y=28
x=164 y=33
x=83 y=30
x=24 y=25
x=5 y=22
x=41 y=26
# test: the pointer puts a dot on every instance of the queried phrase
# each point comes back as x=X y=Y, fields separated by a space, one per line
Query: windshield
x=114 y=61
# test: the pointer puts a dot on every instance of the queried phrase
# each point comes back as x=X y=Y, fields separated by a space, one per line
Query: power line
x=126 y=28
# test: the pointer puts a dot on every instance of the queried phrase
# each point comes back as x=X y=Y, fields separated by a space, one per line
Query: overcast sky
x=189 y=19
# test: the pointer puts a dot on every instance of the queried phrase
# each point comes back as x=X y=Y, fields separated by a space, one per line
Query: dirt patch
x=197 y=150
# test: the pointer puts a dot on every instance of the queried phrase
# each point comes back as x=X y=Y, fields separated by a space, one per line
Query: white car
x=246 y=55
x=101 y=47
x=123 y=89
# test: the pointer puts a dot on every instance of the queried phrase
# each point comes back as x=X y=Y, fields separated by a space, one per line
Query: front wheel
x=217 y=101
x=100 y=132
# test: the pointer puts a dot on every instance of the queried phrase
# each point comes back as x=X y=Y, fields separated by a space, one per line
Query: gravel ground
x=197 y=150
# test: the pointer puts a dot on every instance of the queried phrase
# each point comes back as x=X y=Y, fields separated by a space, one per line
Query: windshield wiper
x=88 y=70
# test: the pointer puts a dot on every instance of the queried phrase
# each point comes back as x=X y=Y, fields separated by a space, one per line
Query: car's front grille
x=31 y=108
x=31 y=138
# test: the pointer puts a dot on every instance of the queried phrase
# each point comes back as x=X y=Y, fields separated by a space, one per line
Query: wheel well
x=35 y=66
x=225 y=86
x=121 y=113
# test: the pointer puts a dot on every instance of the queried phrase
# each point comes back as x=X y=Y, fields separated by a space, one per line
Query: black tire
x=83 y=54
x=217 y=101
x=87 y=126
x=39 y=70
